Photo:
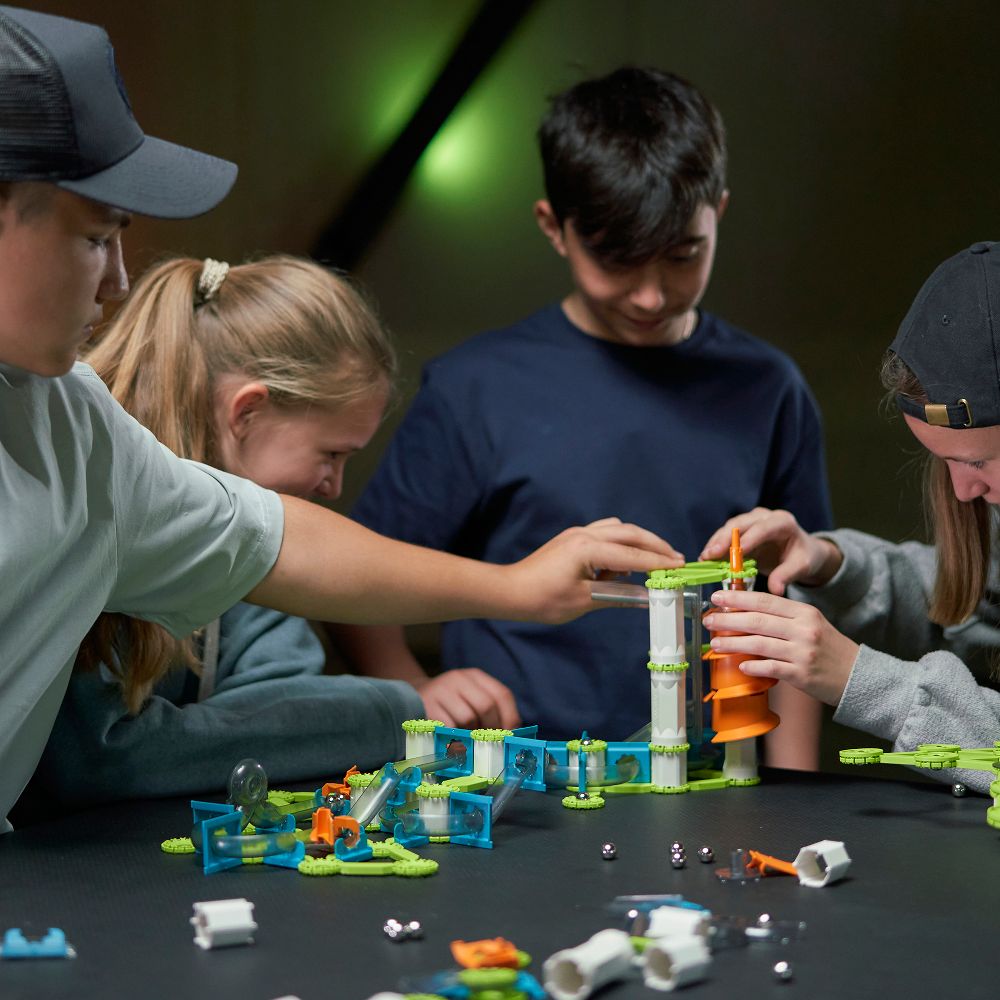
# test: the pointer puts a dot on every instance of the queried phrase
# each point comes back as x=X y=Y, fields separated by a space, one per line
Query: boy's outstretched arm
x=332 y=569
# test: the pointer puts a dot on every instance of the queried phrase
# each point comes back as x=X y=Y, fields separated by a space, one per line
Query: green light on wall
x=457 y=159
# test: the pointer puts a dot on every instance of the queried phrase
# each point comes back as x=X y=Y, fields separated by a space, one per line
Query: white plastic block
x=431 y=808
x=487 y=758
x=419 y=745
x=219 y=923
x=666 y=626
x=667 y=708
x=667 y=770
x=821 y=863
x=680 y=960
x=671 y=921
x=575 y=973
x=596 y=761
x=740 y=763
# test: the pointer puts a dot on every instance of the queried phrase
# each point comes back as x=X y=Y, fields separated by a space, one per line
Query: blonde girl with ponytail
x=276 y=370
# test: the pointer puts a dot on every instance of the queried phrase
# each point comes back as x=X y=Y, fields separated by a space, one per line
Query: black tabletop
x=916 y=915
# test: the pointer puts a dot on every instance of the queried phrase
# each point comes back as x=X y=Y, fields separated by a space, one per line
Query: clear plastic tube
x=618 y=773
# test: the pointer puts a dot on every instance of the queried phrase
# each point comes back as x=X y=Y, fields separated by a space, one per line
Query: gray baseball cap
x=65 y=118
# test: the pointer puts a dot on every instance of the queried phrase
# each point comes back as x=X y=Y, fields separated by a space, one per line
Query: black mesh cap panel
x=37 y=136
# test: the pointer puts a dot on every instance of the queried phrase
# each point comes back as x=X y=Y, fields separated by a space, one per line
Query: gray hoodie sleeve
x=272 y=702
x=911 y=682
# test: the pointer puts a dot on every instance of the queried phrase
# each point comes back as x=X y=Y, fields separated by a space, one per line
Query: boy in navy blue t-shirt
x=624 y=399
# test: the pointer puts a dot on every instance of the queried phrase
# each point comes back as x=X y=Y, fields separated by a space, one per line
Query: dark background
x=864 y=147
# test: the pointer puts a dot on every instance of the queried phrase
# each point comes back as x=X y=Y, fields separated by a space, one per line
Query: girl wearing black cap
x=912 y=657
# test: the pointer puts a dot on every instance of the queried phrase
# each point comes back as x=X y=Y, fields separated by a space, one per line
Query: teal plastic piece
x=361 y=851
x=444 y=738
x=516 y=745
x=638 y=751
x=478 y=810
x=209 y=817
x=53 y=945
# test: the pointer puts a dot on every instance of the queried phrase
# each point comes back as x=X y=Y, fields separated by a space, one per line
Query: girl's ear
x=243 y=406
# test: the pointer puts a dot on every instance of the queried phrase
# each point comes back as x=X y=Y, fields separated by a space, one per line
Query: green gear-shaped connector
x=593 y=802
x=491 y=735
x=862 y=755
x=421 y=725
x=177 y=845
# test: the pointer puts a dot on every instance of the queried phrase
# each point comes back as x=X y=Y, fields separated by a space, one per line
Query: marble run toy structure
x=497 y=763
x=937 y=757
x=676 y=734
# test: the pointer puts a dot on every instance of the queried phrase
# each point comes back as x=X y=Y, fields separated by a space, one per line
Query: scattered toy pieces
x=398 y=931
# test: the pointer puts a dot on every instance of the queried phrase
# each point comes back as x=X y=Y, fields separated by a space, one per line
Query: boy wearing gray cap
x=903 y=639
x=99 y=516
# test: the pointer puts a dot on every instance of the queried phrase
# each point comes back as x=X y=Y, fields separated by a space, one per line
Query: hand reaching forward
x=794 y=641
x=469 y=699
x=553 y=582
x=783 y=550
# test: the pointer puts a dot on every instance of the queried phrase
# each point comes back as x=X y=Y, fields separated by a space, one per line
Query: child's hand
x=552 y=584
x=795 y=642
x=469 y=699
x=783 y=551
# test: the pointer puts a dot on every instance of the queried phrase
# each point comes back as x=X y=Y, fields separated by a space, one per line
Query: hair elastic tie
x=213 y=274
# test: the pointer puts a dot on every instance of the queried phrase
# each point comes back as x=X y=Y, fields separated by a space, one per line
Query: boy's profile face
x=60 y=260
x=647 y=305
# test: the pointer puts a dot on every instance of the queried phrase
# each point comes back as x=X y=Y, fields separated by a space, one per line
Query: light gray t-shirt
x=95 y=515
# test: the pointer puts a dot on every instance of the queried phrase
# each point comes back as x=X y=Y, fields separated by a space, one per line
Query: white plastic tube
x=675 y=961
x=821 y=863
x=575 y=973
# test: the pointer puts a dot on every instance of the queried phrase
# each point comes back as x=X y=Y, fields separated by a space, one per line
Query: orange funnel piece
x=739 y=702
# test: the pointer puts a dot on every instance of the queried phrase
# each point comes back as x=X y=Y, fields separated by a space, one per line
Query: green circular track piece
x=863 y=755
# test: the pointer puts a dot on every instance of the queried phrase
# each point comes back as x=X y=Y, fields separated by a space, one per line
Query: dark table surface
x=917 y=915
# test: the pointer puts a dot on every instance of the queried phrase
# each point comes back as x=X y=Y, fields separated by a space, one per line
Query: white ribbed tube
x=577 y=972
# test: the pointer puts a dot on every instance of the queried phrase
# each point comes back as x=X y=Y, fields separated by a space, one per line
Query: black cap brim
x=160 y=179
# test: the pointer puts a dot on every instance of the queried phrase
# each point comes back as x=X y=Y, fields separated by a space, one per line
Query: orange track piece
x=328 y=828
x=490 y=953
x=766 y=864
x=340 y=786
x=739 y=702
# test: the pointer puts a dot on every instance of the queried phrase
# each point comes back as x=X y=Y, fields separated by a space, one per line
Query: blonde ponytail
x=294 y=326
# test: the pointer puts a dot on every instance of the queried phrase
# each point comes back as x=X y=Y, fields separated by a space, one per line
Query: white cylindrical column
x=595 y=755
x=577 y=972
x=420 y=736
x=670 y=921
x=741 y=760
x=669 y=962
x=667 y=766
x=666 y=626
x=667 y=709
x=487 y=752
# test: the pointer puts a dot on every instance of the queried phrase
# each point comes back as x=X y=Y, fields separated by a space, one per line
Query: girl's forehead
x=951 y=444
